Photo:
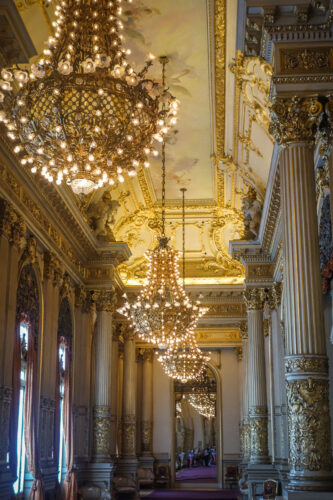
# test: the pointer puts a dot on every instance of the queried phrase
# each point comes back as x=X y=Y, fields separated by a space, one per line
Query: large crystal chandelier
x=162 y=313
x=183 y=360
x=200 y=393
x=82 y=114
x=204 y=404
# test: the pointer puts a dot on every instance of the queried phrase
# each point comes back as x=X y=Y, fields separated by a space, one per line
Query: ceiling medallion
x=82 y=114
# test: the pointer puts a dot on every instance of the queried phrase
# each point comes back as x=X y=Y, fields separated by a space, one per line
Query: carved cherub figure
x=101 y=216
x=252 y=213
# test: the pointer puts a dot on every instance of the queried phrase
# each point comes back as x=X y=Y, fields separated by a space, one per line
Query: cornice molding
x=61 y=229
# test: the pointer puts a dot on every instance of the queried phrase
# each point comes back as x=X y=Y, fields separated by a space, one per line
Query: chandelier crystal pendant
x=82 y=114
x=183 y=360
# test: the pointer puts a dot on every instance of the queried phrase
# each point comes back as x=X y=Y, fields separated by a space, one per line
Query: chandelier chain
x=183 y=190
x=163 y=188
x=164 y=61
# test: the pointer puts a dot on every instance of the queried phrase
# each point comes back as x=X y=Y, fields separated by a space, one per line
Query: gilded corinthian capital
x=243 y=329
x=295 y=119
x=105 y=300
x=253 y=298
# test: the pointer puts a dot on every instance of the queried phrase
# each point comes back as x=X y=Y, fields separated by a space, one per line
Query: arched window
x=61 y=385
x=21 y=457
x=23 y=434
x=64 y=413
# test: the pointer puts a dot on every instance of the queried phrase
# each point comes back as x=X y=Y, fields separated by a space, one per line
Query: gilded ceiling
x=219 y=150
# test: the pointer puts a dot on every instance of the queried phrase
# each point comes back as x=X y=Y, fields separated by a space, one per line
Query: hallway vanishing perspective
x=166 y=250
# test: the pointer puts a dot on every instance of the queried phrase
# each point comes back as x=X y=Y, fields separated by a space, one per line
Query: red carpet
x=194 y=495
x=197 y=474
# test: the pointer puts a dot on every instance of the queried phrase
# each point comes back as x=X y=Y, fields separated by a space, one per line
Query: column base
x=99 y=474
x=318 y=482
x=146 y=462
x=257 y=474
x=308 y=495
x=127 y=467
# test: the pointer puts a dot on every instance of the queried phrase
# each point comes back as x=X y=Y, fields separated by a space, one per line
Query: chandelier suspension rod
x=183 y=190
x=164 y=61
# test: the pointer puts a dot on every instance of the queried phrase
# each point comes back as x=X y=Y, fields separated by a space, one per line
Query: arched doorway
x=196 y=451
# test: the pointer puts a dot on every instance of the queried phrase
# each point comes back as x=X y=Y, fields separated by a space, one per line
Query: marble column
x=294 y=122
x=257 y=378
x=114 y=387
x=128 y=462
x=102 y=404
x=245 y=425
x=147 y=406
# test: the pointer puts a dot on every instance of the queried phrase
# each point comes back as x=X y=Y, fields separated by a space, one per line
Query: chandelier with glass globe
x=82 y=114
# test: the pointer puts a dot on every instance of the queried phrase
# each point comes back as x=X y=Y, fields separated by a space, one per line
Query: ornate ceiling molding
x=220 y=43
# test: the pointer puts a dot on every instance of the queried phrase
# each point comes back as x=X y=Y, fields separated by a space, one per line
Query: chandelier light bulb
x=81 y=90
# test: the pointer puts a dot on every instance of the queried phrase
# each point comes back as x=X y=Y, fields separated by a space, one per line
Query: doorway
x=197 y=432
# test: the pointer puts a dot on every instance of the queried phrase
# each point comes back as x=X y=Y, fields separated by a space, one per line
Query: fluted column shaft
x=114 y=388
x=293 y=123
x=258 y=417
x=129 y=396
x=147 y=402
x=245 y=425
x=102 y=406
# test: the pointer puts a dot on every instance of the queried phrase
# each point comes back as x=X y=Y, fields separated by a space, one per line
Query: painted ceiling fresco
x=152 y=27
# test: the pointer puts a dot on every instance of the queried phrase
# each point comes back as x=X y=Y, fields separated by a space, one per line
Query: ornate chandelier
x=203 y=403
x=183 y=360
x=162 y=312
x=82 y=114
x=200 y=393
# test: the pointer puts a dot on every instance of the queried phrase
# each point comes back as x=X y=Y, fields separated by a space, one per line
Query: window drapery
x=30 y=420
x=70 y=483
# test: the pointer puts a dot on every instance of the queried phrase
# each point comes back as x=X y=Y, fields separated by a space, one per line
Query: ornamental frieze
x=306 y=60
x=102 y=430
x=259 y=437
x=146 y=436
x=259 y=271
x=129 y=434
x=309 y=425
x=310 y=364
